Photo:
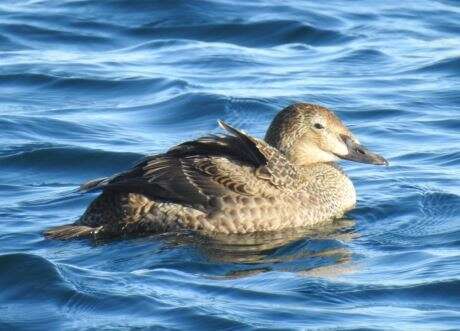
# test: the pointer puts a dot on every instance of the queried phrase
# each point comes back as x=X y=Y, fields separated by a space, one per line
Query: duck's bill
x=359 y=153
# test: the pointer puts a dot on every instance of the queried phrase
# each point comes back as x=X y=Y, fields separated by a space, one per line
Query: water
x=89 y=87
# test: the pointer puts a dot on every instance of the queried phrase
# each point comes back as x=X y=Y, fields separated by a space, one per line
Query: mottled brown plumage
x=233 y=183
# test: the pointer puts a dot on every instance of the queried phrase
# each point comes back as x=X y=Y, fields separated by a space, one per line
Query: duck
x=232 y=183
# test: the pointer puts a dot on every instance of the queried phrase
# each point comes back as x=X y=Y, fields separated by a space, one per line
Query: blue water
x=89 y=87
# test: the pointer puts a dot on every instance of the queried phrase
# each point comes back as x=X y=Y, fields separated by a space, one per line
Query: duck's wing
x=198 y=171
x=276 y=168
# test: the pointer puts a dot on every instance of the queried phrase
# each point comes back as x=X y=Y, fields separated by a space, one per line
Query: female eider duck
x=232 y=183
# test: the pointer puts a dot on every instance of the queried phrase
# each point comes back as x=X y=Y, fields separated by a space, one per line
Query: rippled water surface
x=89 y=87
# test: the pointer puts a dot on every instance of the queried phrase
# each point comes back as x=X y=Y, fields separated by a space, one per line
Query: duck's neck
x=323 y=178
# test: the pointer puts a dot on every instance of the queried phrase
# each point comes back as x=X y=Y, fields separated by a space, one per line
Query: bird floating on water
x=232 y=183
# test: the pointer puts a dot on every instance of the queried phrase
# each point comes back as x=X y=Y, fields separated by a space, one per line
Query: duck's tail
x=70 y=231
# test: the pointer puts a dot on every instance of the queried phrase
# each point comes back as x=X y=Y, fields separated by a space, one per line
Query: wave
x=247 y=34
x=363 y=56
x=31 y=35
x=450 y=66
x=70 y=295
x=67 y=159
x=76 y=85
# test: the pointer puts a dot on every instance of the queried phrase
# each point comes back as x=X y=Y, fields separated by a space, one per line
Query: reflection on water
x=314 y=251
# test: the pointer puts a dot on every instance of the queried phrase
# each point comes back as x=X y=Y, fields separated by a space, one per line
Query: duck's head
x=308 y=133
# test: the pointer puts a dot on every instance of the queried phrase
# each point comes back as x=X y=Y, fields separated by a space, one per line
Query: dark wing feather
x=248 y=144
x=163 y=177
x=190 y=173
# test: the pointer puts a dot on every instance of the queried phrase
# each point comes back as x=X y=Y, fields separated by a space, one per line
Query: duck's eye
x=318 y=126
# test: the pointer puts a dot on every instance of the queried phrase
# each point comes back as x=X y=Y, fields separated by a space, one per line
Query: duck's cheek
x=335 y=146
x=308 y=152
